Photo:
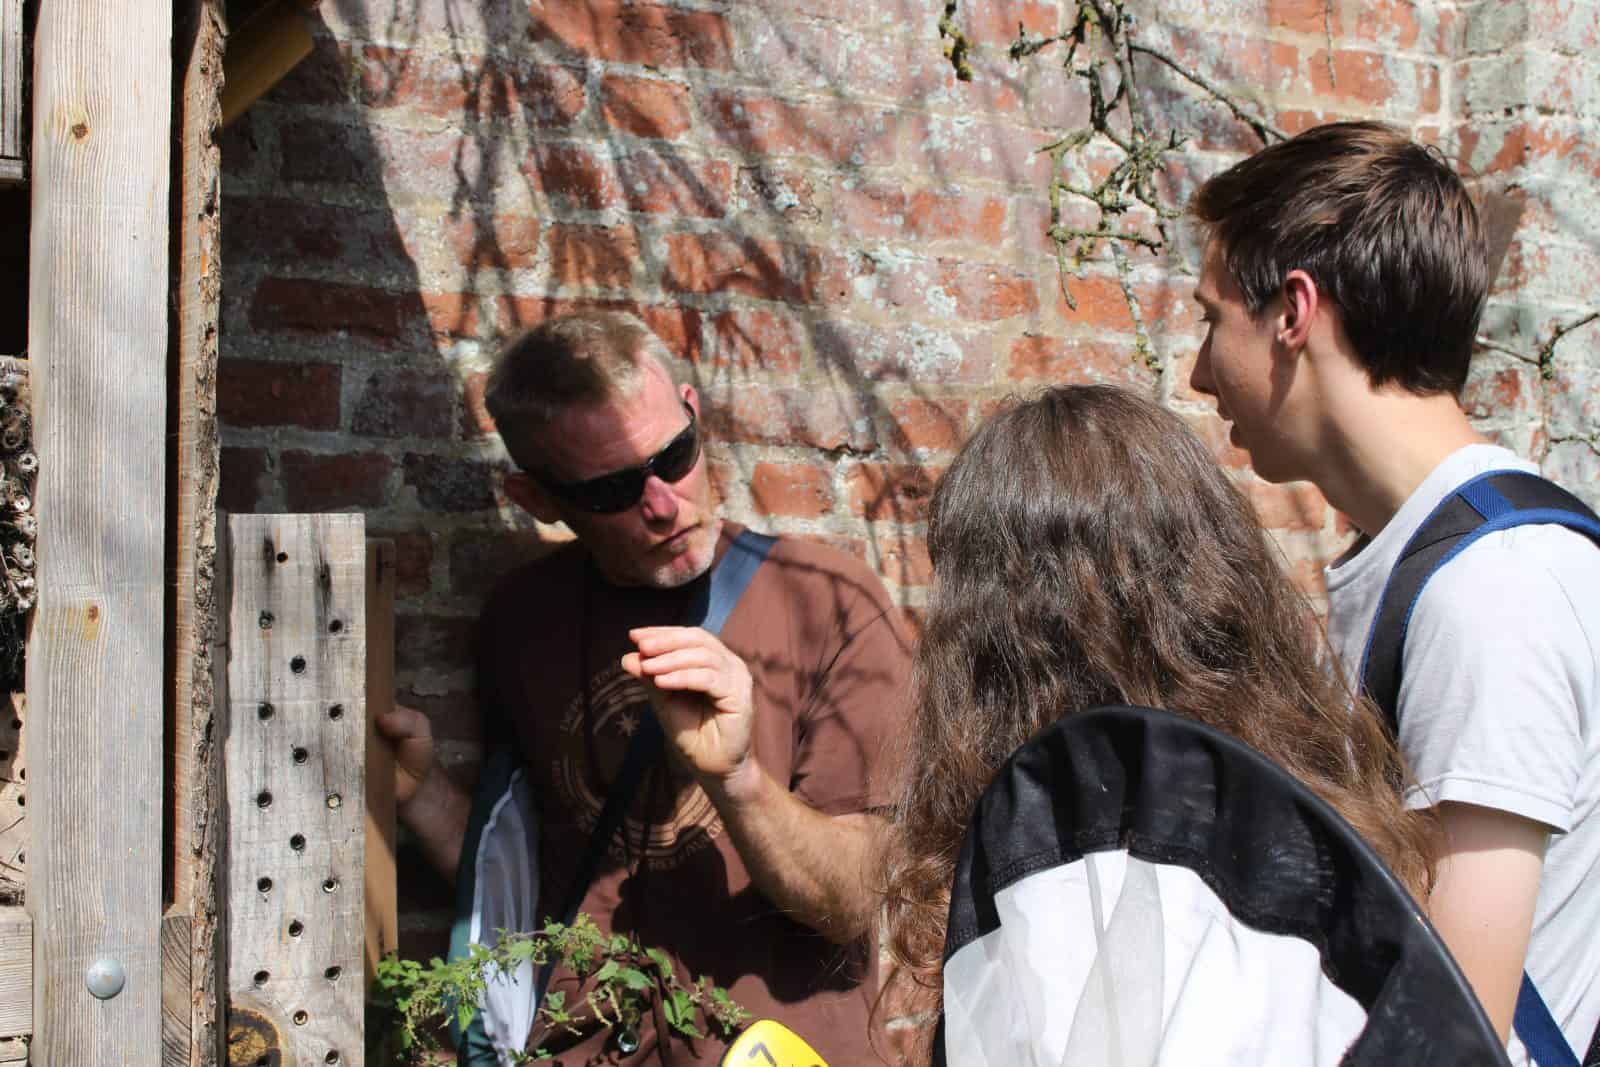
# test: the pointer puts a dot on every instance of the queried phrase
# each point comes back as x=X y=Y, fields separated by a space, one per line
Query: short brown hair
x=1383 y=225
x=585 y=357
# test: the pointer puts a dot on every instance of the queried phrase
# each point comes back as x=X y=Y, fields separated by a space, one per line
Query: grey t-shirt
x=1500 y=705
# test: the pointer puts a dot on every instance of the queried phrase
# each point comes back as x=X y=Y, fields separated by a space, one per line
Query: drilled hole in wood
x=335 y=627
x=22 y=800
x=261 y=978
x=264 y=1061
x=4 y=754
x=300 y=755
x=16 y=724
x=263 y=799
x=336 y=712
x=330 y=884
x=283 y=557
x=266 y=620
x=263 y=712
x=296 y=928
x=332 y=1056
x=263 y=885
x=298 y=665
x=334 y=800
x=301 y=1017
x=298 y=842
x=332 y=973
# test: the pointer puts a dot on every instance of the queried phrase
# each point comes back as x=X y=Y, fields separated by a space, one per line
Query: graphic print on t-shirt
x=681 y=818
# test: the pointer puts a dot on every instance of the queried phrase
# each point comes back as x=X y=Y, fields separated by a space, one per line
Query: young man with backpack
x=1342 y=285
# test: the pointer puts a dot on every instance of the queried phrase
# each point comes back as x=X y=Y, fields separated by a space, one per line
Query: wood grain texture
x=12 y=66
x=177 y=1014
x=261 y=51
x=13 y=799
x=97 y=319
x=382 y=903
x=194 y=760
x=294 y=769
x=16 y=972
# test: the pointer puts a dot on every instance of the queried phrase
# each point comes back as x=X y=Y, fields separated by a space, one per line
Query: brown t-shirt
x=828 y=653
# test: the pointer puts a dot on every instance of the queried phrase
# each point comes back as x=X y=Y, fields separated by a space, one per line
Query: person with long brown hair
x=1088 y=550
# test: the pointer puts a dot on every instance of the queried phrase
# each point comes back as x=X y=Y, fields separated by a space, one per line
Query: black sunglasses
x=621 y=490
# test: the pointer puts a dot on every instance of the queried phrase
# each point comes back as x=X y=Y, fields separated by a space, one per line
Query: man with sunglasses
x=746 y=851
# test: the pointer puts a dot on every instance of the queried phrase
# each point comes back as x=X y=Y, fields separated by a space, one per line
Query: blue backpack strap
x=1493 y=501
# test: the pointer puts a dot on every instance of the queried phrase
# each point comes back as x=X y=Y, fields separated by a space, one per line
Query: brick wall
x=842 y=243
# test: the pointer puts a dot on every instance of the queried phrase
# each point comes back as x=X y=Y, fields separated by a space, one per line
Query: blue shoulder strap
x=1493 y=501
x=713 y=602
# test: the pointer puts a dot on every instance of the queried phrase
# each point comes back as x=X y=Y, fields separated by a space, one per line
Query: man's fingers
x=655 y=640
x=680 y=659
x=697 y=679
x=401 y=723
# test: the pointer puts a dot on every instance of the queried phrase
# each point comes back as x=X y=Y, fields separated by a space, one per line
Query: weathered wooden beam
x=97 y=342
x=16 y=972
x=382 y=903
x=294 y=769
x=191 y=1006
x=13 y=43
x=262 y=51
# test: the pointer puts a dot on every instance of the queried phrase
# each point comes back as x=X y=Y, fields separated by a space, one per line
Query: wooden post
x=294 y=769
x=97 y=325
x=191 y=1016
x=11 y=95
x=382 y=904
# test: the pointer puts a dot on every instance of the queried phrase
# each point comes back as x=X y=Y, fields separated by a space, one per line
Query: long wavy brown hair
x=1088 y=550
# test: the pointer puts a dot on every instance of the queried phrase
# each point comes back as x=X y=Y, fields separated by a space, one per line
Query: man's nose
x=659 y=503
x=1200 y=375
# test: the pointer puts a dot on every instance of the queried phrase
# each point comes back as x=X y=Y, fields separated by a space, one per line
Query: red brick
x=1517 y=144
x=469 y=86
x=890 y=210
x=589 y=256
x=1369 y=77
x=241 y=474
x=328 y=308
x=772 y=188
x=905 y=352
x=677 y=326
x=509 y=242
x=648 y=107
x=451 y=314
x=800 y=490
x=662 y=185
x=432 y=642
x=986 y=293
x=572 y=176
x=1214 y=433
x=794 y=417
x=1060 y=361
x=726 y=263
x=1489 y=394
x=404 y=403
x=898 y=492
x=445 y=483
x=476 y=421
x=903 y=559
x=323 y=77
x=836 y=132
x=919 y=423
x=413 y=559
x=758 y=340
x=649 y=34
x=957 y=147
x=995 y=22
x=316 y=150
x=1101 y=303
x=253 y=392
x=1303 y=16
x=315 y=481
x=1389 y=22
x=1295 y=507
x=279 y=230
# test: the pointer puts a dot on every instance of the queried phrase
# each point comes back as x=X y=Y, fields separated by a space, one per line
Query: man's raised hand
x=411 y=736
x=703 y=696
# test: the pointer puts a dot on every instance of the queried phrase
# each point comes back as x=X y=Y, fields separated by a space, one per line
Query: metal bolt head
x=106 y=977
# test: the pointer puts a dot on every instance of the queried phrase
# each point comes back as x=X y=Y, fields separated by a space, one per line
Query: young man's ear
x=528 y=495
x=1301 y=301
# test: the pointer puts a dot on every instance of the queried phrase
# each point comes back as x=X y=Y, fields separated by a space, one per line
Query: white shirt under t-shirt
x=1500 y=705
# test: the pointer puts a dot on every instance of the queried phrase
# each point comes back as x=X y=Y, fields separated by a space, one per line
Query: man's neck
x=1382 y=446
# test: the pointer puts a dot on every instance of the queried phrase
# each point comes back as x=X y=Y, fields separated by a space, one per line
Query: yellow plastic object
x=771 y=1044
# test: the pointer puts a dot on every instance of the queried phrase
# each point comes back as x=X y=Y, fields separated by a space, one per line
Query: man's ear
x=690 y=397
x=531 y=497
x=1301 y=302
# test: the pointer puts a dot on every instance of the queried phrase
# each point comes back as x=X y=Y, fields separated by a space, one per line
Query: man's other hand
x=702 y=694
x=411 y=736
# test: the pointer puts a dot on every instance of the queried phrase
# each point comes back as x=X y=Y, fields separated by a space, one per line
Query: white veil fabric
x=1138 y=890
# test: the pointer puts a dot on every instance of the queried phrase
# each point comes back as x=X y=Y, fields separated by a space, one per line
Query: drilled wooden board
x=16 y=972
x=294 y=777
x=12 y=68
x=98 y=307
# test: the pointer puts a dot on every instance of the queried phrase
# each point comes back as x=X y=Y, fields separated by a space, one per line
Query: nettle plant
x=623 y=979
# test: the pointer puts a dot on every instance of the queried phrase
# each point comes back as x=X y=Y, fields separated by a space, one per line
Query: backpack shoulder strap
x=1496 y=500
